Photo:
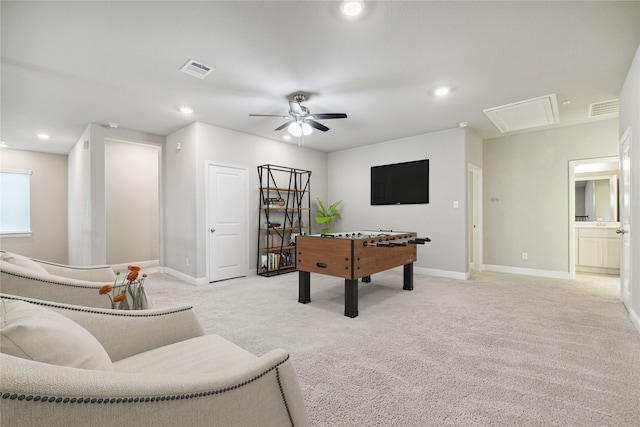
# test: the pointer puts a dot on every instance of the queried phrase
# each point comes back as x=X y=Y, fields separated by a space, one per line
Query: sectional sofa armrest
x=16 y=280
x=94 y=273
x=124 y=333
x=261 y=393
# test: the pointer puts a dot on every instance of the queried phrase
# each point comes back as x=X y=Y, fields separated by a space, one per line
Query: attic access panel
x=531 y=113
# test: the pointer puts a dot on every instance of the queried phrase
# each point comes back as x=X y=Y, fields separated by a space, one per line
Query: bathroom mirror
x=596 y=198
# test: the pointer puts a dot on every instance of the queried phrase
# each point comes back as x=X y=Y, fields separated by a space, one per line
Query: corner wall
x=87 y=202
x=185 y=189
x=349 y=180
x=526 y=195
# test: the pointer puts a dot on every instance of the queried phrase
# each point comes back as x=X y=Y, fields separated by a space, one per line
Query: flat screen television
x=400 y=183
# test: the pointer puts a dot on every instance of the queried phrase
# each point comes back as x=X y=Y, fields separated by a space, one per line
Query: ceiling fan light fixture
x=298 y=130
x=351 y=8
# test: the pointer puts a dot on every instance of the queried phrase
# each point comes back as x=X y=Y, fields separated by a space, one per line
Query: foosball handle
x=420 y=240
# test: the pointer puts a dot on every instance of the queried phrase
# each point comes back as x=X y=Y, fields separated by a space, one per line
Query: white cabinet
x=598 y=250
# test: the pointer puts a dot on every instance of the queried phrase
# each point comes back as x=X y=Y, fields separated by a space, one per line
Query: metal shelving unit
x=285 y=211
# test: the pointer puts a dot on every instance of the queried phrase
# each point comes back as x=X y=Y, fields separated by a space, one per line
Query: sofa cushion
x=24 y=262
x=208 y=353
x=36 y=333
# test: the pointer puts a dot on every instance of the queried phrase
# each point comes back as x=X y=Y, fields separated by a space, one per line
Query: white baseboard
x=441 y=273
x=635 y=319
x=154 y=263
x=527 y=271
x=196 y=281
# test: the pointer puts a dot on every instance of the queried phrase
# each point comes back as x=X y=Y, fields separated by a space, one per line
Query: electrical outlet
x=187 y=262
x=525 y=255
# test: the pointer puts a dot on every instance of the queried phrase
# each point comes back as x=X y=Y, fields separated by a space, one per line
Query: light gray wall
x=132 y=181
x=185 y=187
x=630 y=118
x=526 y=194
x=48 y=204
x=349 y=180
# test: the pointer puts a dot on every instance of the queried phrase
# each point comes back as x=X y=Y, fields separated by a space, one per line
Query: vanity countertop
x=593 y=224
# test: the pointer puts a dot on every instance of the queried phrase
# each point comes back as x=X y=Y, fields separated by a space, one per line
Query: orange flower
x=119 y=297
x=105 y=289
x=133 y=275
x=133 y=268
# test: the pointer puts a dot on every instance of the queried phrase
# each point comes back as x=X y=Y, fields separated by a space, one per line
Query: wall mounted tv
x=400 y=183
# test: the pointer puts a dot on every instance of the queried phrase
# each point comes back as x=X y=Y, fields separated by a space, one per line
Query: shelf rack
x=284 y=212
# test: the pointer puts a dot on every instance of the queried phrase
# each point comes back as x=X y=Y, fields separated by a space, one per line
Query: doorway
x=474 y=216
x=593 y=183
x=132 y=202
x=227 y=221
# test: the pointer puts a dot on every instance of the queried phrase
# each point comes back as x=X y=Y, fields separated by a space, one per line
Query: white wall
x=132 y=181
x=79 y=187
x=48 y=204
x=185 y=187
x=349 y=180
x=526 y=195
x=630 y=118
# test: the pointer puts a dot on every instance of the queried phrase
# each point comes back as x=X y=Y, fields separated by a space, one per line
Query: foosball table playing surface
x=352 y=256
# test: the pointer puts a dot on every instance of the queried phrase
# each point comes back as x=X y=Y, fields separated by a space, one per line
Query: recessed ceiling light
x=42 y=135
x=286 y=137
x=352 y=8
x=186 y=110
x=114 y=125
x=442 y=91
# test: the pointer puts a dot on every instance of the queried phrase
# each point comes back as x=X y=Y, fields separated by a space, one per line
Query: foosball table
x=352 y=256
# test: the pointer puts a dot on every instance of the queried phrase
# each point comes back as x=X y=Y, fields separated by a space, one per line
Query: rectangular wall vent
x=531 y=113
x=196 y=69
x=602 y=108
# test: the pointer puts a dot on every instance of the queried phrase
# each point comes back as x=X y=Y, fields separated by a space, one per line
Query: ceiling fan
x=300 y=120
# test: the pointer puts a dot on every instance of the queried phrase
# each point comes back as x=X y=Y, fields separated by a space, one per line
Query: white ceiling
x=68 y=64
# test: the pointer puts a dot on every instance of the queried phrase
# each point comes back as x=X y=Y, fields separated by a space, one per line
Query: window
x=15 y=195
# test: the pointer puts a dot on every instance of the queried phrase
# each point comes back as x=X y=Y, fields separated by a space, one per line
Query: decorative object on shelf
x=131 y=287
x=284 y=203
x=325 y=215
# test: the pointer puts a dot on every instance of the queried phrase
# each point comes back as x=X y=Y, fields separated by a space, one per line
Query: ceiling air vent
x=532 y=113
x=603 y=108
x=196 y=69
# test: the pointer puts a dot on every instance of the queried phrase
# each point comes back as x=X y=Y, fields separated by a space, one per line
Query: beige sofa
x=65 y=365
x=33 y=278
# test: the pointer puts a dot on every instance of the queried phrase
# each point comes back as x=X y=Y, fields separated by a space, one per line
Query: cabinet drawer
x=597 y=232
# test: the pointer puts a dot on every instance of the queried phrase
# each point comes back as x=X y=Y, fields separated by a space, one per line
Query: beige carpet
x=498 y=349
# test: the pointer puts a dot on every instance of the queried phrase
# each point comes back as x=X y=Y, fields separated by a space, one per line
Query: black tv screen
x=400 y=183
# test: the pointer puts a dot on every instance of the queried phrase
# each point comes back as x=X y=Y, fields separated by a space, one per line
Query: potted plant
x=326 y=214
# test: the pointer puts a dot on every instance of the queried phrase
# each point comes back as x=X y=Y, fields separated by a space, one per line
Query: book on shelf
x=276 y=260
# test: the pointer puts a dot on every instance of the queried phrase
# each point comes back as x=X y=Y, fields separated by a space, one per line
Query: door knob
x=213 y=230
x=620 y=231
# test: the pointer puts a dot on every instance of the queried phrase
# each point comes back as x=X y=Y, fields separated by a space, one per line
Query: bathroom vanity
x=598 y=247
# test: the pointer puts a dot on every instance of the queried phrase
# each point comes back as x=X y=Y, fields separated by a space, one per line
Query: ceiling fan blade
x=296 y=108
x=284 y=125
x=329 y=116
x=269 y=115
x=317 y=125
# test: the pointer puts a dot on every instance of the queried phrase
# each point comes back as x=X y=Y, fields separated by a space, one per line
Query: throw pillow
x=36 y=333
x=23 y=261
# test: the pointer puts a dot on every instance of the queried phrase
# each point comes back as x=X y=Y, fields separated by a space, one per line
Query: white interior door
x=227 y=211
x=625 y=217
